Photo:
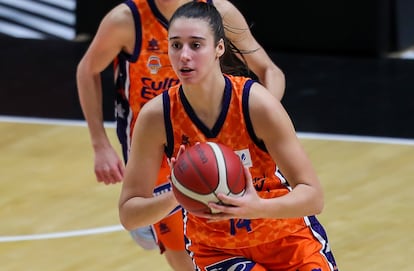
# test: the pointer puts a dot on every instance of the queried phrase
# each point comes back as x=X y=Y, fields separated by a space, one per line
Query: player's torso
x=147 y=72
x=232 y=130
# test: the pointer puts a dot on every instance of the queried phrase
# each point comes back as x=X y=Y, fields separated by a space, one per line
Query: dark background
x=365 y=28
x=334 y=55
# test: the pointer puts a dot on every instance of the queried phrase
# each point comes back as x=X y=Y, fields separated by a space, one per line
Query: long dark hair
x=230 y=62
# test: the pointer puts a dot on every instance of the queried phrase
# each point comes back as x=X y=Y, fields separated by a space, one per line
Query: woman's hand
x=247 y=206
x=171 y=161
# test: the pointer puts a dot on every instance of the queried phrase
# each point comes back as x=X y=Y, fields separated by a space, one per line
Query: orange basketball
x=204 y=170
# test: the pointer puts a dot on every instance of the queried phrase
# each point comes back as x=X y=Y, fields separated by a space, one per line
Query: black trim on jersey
x=245 y=106
x=161 y=17
x=138 y=32
x=163 y=21
x=138 y=25
x=221 y=118
x=121 y=100
x=169 y=148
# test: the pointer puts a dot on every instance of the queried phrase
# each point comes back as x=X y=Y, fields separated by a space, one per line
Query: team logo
x=154 y=64
x=185 y=140
x=153 y=45
x=163 y=227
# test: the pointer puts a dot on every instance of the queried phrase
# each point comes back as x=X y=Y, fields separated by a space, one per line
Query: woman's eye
x=196 y=45
x=175 y=45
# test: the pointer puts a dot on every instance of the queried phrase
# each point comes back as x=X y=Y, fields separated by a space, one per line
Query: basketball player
x=135 y=33
x=273 y=226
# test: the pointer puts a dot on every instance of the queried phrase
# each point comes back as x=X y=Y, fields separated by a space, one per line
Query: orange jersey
x=234 y=130
x=219 y=245
x=145 y=73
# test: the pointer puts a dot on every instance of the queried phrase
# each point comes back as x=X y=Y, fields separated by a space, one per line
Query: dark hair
x=229 y=61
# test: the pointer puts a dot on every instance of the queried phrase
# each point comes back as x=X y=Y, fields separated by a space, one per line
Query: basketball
x=204 y=170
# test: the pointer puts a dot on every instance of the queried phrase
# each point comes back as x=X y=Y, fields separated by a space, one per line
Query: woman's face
x=192 y=50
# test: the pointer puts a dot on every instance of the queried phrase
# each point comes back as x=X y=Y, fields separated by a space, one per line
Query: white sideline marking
x=35 y=120
x=354 y=138
x=55 y=235
x=305 y=135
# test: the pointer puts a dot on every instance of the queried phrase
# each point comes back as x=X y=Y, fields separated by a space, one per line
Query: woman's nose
x=185 y=53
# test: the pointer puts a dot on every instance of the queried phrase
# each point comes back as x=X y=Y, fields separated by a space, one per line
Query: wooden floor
x=54 y=216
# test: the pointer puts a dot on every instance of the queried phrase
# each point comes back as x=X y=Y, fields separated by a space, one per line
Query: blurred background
x=348 y=64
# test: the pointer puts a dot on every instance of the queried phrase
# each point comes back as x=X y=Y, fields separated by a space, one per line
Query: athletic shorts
x=169 y=232
x=297 y=252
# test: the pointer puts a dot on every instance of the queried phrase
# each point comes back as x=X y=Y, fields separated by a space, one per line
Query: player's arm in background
x=238 y=31
x=115 y=33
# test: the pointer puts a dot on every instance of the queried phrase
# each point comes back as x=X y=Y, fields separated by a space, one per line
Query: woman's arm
x=137 y=205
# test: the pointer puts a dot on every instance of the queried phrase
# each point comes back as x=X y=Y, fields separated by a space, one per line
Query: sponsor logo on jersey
x=151 y=88
x=245 y=157
x=154 y=64
x=236 y=263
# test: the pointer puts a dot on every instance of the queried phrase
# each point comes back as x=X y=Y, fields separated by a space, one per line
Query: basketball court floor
x=55 y=216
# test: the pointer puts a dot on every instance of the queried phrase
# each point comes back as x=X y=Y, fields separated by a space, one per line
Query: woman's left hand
x=246 y=206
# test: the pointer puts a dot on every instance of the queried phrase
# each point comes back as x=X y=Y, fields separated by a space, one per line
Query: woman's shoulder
x=260 y=95
x=153 y=107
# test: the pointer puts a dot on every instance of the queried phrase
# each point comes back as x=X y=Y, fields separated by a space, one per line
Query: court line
x=35 y=120
x=354 y=138
x=305 y=135
x=114 y=228
x=65 y=234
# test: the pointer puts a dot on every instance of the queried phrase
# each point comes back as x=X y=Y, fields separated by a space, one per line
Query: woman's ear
x=220 y=48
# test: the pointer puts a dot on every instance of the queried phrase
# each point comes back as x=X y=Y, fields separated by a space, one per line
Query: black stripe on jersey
x=221 y=118
x=245 y=106
x=158 y=14
x=138 y=32
x=169 y=148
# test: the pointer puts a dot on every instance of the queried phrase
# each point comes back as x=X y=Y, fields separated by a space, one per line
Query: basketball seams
x=222 y=185
x=199 y=174
x=190 y=193
x=241 y=179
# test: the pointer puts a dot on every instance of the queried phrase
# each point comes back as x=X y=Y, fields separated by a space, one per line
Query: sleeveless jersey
x=145 y=73
x=234 y=129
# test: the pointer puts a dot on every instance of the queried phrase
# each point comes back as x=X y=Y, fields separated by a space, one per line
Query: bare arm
x=238 y=31
x=137 y=205
x=115 y=33
x=272 y=124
